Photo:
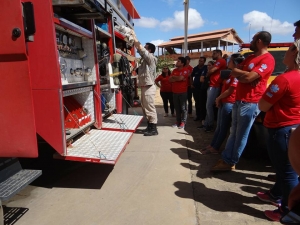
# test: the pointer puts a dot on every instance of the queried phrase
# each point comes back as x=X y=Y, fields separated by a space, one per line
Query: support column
x=219 y=42
x=201 y=48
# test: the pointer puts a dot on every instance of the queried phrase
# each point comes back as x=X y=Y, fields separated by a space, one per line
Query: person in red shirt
x=214 y=88
x=281 y=102
x=179 y=78
x=189 y=68
x=252 y=74
x=224 y=103
x=162 y=81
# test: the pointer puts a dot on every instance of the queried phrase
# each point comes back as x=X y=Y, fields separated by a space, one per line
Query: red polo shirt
x=215 y=80
x=180 y=86
x=230 y=82
x=189 y=68
x=284 y=94
x=165 y=84
x=264 y=66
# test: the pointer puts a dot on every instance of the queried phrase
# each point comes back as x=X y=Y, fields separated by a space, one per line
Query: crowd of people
x=240 y=94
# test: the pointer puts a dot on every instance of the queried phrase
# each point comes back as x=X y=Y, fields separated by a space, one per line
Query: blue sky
x=164 y=19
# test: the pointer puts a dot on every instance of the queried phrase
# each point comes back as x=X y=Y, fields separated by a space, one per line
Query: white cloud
x=194 y=21
x=260 y=20
x=146 y=22
x=170 y=2
x=176 y=22
x=213 y=23
x=157 y=42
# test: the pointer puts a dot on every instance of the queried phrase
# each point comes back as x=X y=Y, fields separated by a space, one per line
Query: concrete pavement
x=159 y=180
x=138 y=190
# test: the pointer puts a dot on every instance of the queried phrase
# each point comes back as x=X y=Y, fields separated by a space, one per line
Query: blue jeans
x=243 y=116
x=286 y=177
x=223 y=125
x=212 y=94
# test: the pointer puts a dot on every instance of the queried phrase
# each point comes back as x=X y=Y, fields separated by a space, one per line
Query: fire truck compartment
x=98 y=146
x=121 y=122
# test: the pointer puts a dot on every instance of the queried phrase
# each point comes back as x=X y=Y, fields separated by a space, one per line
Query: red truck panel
x=18 y=136
x=49 y=116
x=43 y=56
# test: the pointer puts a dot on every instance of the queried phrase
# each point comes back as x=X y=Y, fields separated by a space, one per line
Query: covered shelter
x=202 y=44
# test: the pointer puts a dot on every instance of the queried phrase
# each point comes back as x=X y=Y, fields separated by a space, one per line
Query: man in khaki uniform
x=146 y=77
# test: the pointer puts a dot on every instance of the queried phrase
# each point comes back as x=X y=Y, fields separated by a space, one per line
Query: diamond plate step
x=98 y=146
x=121 y=122
x=17 y=182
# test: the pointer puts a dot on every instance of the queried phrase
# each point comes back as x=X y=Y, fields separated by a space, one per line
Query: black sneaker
x=197 y=119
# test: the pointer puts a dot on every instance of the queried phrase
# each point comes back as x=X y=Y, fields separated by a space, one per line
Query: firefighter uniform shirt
x=147 y=69
x=284 y=94
x=180 y=86
x=264 y=66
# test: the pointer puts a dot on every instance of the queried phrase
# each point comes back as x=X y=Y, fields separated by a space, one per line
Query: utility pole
x=186 y=22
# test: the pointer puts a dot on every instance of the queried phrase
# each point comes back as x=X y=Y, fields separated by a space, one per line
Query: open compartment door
x=98 y=146
x=18 y=136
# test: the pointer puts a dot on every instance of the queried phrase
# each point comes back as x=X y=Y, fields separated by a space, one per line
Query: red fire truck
x=56 y=86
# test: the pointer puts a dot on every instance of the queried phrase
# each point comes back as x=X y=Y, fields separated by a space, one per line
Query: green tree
x=164 y=61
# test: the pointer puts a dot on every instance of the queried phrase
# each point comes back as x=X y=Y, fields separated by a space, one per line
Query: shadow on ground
x=66 y=174
x=221 y=201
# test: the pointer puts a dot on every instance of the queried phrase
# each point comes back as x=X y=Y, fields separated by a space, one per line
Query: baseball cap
x=187 y=58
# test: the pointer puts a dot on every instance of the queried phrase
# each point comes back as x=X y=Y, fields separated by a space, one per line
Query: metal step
x=15 y=183
x=121 y=122
x=98 y=146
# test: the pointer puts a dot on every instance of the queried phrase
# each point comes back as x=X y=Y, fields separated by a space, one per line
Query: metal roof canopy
x=206 y=40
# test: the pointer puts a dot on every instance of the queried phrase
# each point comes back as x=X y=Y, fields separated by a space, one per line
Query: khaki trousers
x=147 y=102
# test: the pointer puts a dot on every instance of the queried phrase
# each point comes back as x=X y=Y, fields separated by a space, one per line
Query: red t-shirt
x=165 y=84
x=189 y=68
x=180 y=86
x=230 y=82
x=284 y=94
x=215 y=80
x=264 y=66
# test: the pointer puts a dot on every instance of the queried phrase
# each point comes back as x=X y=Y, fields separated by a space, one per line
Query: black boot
x=152 y=130
x=147 y=128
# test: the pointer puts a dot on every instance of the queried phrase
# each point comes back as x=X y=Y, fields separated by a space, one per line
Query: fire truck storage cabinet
x=67 y=92
x=53 y=85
